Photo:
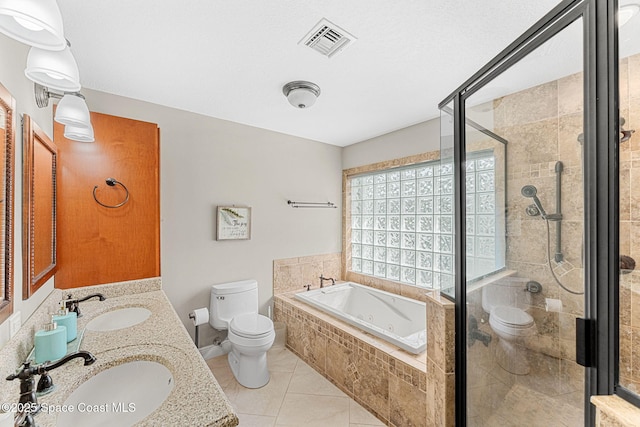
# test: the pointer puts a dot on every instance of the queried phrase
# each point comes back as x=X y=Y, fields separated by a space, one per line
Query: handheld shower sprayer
x=530 y=191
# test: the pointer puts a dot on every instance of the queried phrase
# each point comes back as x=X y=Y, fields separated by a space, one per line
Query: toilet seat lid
x=251 y=325
x=512 y=316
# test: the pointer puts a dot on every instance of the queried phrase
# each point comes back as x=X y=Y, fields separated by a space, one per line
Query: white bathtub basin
x=119 y=396
x=119 y=319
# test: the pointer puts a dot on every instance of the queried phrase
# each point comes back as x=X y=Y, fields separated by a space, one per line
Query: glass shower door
x=523 y=231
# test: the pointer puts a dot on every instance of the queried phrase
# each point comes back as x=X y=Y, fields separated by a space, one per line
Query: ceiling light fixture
x=54 y=69
x=301 y=94
x=34 y=22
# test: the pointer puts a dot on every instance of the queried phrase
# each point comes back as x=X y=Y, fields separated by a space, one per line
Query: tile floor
x=296 y=396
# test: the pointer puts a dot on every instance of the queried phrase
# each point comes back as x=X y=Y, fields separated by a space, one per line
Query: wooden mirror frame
x=38 y=207
x=8 y=104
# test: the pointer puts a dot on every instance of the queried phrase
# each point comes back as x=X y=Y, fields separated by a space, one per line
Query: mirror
x=38 y=207
x=7 y=140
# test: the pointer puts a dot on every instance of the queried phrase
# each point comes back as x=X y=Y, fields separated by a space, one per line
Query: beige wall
x=12 y=63
x=412 y=140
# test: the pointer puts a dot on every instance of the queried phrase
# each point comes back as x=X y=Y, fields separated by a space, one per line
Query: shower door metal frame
x=601 y=190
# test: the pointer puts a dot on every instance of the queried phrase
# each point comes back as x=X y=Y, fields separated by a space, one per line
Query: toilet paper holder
x=192 y=316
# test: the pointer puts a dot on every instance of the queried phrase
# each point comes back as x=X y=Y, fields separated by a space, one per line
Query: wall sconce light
x=72 y=111
x=53 y=69
x=34 y=22
x=79 y=134
x=301 y=94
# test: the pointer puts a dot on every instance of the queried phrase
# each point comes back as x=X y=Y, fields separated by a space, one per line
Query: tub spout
x=322 y=279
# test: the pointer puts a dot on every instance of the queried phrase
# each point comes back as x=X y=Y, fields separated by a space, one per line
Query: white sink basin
x=119 y=319
x=119 y=396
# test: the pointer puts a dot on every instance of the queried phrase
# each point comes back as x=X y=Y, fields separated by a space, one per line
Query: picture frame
x=233 y=223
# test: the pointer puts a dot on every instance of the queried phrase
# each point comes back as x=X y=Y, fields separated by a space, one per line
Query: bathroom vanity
x=134 y=329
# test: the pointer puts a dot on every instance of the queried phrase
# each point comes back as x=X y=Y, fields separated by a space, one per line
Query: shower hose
x=551 y=267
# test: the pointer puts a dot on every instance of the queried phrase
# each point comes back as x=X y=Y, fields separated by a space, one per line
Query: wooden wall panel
x=99 y=245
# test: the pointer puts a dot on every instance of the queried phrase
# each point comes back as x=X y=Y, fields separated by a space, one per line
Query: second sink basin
x=119 y=396
x=119 y=319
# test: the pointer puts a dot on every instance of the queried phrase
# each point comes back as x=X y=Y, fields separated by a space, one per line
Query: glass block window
x=402 y=221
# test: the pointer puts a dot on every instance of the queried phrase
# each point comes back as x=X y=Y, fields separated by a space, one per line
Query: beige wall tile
x=541 y=102
x=570 y=97
x=407 y=404
x=291 y=274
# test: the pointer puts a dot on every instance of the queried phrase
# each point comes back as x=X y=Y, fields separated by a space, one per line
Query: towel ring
x=111 y=182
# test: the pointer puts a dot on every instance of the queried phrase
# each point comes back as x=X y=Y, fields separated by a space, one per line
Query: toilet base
x=512 y=357
x=249 y=370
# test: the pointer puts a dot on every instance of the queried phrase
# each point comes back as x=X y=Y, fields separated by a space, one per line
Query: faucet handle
x=45 y=384
x=308 y=286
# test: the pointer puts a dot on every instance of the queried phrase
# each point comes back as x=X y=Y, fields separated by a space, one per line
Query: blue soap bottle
x=68 y=320
x=50 y=343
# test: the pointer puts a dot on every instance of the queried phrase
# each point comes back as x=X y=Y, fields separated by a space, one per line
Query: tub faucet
x=322 y=279
x=28 y=401
x=73 y=304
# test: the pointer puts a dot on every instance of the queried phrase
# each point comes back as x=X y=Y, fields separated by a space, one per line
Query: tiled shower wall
x=542 y=125
x=630 y=224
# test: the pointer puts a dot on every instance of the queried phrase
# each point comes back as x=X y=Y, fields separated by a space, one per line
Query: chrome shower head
x=530 y=191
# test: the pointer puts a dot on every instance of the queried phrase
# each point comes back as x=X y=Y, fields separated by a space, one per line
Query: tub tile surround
x=196 y=399
x=291 y=274
x=397 y=387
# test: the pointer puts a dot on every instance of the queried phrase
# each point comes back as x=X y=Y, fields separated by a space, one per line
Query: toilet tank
x=509 y=291
x=231 y=299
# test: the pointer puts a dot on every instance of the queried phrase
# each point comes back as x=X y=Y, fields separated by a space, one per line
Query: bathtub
x=393 y=318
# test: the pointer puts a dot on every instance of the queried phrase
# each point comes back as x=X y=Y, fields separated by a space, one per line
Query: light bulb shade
x=73 y=111
x=301 y=94
x=53 y=69
x=79 y=134
x=34 y=22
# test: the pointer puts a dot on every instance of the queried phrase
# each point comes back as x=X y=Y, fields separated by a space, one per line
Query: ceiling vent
x=327 y=38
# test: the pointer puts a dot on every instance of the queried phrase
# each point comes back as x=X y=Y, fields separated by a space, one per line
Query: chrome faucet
x=73 y=304
x=322 y=279
x=28 y=402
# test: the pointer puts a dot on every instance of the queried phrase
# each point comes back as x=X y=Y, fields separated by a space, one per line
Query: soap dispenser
x=50 y=342
x=67 y=319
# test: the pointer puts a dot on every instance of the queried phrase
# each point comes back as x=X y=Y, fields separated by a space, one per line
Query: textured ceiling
x=230 y=59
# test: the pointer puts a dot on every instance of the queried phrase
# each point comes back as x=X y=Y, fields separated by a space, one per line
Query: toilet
x=234 y=307
x=504 y=301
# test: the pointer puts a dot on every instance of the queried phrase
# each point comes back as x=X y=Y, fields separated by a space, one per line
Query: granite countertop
x=196 y=398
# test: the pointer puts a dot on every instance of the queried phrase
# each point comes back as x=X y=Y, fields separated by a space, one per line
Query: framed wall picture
x=234 y=223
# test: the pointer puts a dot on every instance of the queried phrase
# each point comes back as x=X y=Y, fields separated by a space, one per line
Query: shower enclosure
x=541 y=271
